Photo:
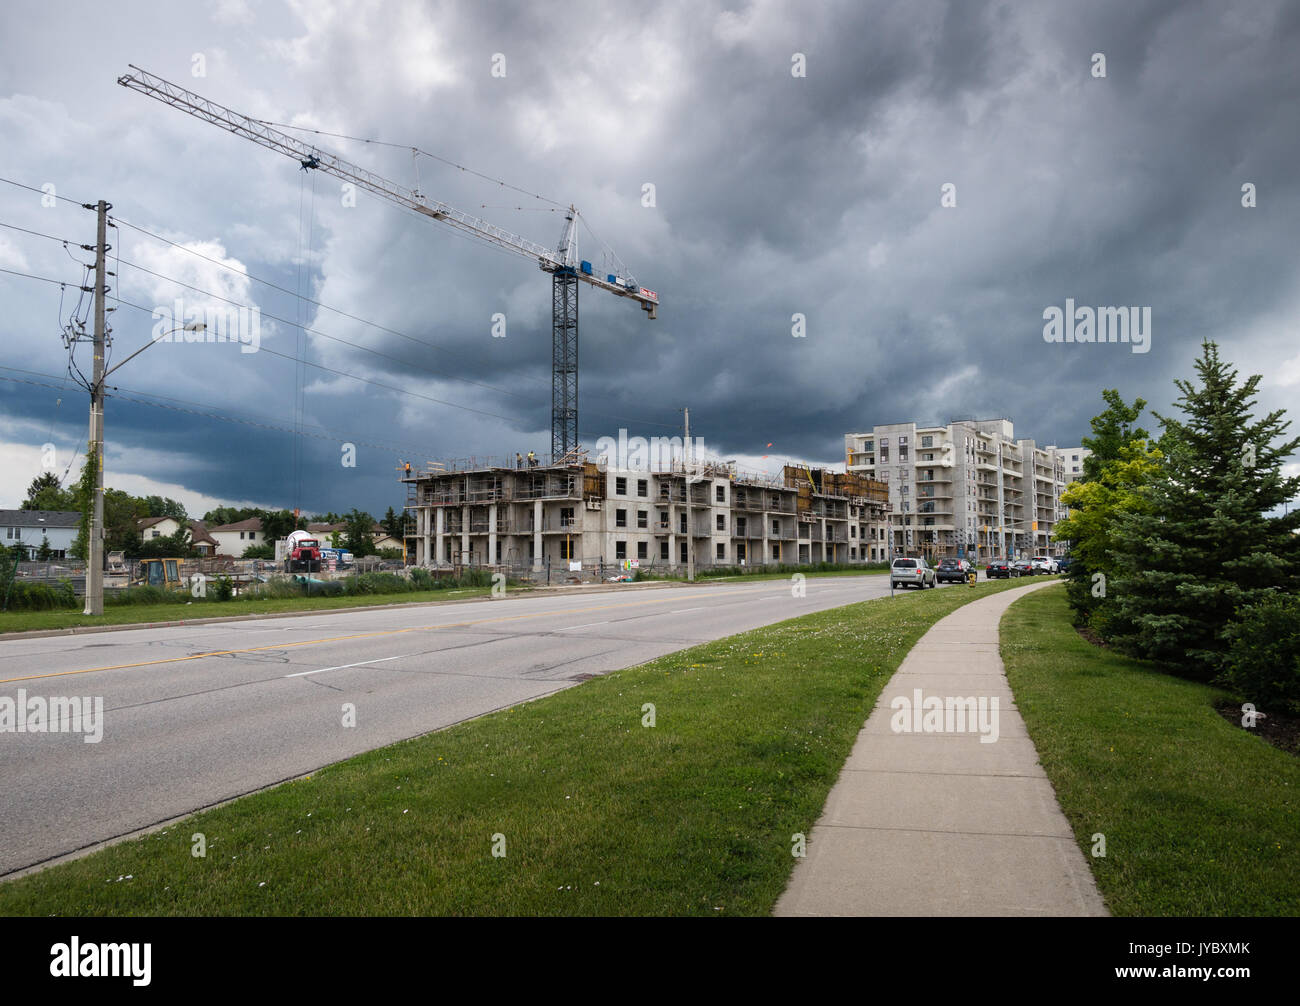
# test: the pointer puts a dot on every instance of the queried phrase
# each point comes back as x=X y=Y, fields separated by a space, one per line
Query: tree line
x=123 y=511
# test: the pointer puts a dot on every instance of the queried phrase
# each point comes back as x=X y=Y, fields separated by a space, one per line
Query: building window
x=884 y=454
x=620 y=486
x=902 y=441
x=776 y=551
x=642 y=488
x=155 y=534
x=663 y=521
x=620 y=518
x=722 y=522
x=642 y=519
x=902 y=453
x=566 y=549
x=620 y=550
x=927 y=441
x=776 y=528
x=642 y=550
x=722 y=551
x=682 y=523
x=663 y=550
x=721 y=494
x=684 y=552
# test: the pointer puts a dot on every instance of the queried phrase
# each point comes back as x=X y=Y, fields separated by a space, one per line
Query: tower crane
x=562 y=262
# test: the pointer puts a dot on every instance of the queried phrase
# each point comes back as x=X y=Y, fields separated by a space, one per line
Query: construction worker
x=532 y=460
x=519 y=460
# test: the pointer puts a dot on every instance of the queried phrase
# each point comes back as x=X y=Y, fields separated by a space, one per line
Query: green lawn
x=1200 y=817
x=130 y=614
x=600 y=814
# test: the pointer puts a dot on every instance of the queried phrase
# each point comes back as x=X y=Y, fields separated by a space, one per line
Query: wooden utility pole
x=95 y=546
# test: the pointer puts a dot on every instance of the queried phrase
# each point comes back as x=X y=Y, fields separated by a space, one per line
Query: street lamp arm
x=194 y=326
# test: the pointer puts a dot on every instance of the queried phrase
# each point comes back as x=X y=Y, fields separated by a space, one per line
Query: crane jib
x=562 y=262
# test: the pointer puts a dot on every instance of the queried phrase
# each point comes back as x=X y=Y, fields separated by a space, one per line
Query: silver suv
x=911 y=573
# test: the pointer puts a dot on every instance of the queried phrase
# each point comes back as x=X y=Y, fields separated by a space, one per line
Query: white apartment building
x=1073 y=458
x=969 y=489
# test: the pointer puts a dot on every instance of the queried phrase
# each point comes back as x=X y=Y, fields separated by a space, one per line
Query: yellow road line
x=360 y=635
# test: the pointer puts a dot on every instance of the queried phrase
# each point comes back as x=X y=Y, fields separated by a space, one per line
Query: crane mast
x=562 y=263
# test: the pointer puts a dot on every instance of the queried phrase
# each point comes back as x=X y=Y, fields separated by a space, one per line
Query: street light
x=95 y=560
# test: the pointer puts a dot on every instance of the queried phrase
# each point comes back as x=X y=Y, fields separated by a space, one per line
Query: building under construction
x=581 y=514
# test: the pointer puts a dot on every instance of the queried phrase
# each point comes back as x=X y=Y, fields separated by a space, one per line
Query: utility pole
x=690 y=514
x=95 y=546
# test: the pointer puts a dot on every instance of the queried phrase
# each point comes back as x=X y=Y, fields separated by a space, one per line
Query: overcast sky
x=774 y=195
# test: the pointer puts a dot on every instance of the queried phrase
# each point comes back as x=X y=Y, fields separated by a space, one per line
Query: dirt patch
x=1091 y=637
x=1278 y=729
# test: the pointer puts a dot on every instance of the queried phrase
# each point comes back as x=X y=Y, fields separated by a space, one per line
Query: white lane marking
x=586 y=625
x=678 y=611
x=340 y=667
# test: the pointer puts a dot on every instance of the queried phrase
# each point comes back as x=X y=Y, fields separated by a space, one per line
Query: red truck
x=305 y=557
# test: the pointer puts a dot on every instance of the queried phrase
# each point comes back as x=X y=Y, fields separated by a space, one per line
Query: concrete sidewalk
x=938 y=823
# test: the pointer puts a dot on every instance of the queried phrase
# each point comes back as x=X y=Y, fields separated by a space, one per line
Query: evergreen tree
x=360 y=539
x=394 y=524
x=1208 y=546
x=45 y=493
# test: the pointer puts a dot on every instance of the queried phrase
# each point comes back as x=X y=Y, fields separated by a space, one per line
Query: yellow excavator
x=165 y=573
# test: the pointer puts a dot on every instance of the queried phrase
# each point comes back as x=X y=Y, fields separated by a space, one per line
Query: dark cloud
x=775 y=195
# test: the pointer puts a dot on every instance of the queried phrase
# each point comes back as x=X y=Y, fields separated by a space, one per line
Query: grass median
x=135 y=614
x=1199 y=816
x=596 y=813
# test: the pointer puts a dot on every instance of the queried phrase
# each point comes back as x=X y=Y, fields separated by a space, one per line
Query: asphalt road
x=197 y=714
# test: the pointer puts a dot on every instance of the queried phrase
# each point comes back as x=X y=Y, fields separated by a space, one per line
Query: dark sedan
x=1000 y=569
x=1025 y=567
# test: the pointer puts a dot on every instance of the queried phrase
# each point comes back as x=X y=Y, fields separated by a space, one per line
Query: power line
x=317 y=332
x=126 y=395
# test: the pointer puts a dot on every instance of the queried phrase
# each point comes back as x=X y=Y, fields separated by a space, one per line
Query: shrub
x=147 y=595
x=377 y=583
x=40 y=596
x=224 y=590
x=1262 y=664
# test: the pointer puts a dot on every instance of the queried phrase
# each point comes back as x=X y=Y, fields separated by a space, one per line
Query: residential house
x=30 y=528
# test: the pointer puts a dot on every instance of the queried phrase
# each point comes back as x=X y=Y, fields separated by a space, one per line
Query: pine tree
x=1208 y=546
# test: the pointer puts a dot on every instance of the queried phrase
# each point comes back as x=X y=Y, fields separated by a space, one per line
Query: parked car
x=1000 y=569
x=1024 y=567
x=911 y=573
x=1064 y=563
x=1045 y=564
x=952 y=570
